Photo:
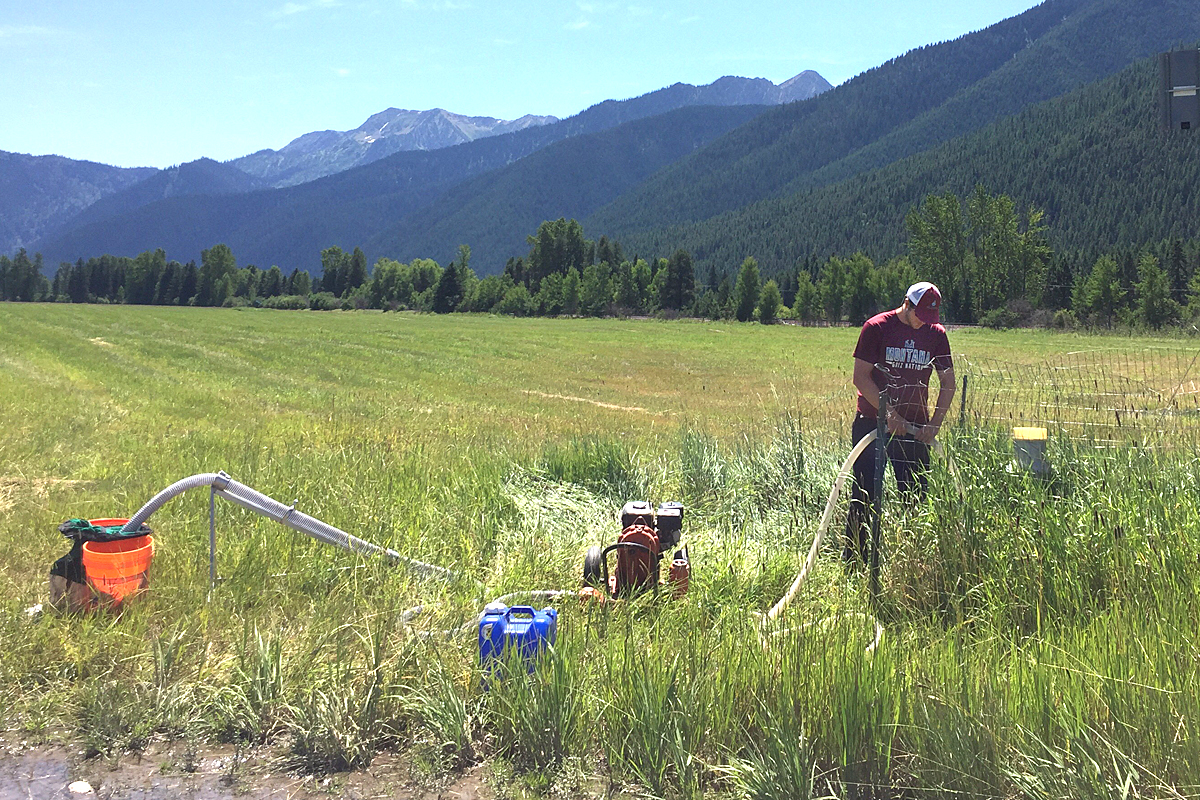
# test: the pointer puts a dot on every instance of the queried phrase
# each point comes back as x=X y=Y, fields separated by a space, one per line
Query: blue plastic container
x=522 y=627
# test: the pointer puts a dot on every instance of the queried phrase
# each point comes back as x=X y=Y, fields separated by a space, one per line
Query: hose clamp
x=221 y=482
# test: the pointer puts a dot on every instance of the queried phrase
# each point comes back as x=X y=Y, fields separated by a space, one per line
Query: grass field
x=1041 y=639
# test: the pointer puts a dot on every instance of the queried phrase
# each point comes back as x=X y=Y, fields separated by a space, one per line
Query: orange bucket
x=117 y=568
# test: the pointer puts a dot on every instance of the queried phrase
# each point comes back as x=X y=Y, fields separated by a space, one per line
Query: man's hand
x=896 y=424
x=927 y=433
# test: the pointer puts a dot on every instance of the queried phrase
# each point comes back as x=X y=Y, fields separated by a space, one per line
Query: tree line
x=990 y=258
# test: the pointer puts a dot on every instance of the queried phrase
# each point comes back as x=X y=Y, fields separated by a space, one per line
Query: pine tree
x=1193 y=307
x=448 y=293
x=768 y=304
x=680 y=286
x=746 y=292
x=272 y=282
x=1098 y=294
x=77 y=285
x=22 y=275
x=1155 y=307
x=356 y=271
x=725 y=298
x=1177 y=271
x=804 y=306
x=189 y=284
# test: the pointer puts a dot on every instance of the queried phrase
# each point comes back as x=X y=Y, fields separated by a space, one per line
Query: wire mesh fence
x=1149 y=397
x=1102 y=397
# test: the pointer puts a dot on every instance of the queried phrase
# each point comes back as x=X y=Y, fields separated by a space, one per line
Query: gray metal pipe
x=253 y=500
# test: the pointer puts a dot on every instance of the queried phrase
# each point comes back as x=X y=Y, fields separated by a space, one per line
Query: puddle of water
x=217 y=774
x=35 y=774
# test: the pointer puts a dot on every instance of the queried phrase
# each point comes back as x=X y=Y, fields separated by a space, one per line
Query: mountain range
x=320 y=153
x=291 y=225
x=1046 y=106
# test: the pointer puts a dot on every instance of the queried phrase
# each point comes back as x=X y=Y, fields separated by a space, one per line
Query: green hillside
x=39 y=193
x=496 y=211
x=1094 y=160
x=906 y=106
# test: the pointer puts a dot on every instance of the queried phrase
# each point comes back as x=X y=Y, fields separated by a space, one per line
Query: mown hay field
x=1040 y=638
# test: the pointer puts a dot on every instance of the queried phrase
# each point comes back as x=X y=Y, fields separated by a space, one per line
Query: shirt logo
x=907 y=357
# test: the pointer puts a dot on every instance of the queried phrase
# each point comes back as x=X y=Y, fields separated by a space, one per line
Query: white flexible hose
x=826 y=518
x=160 y=499
x=253 y=500
x=831 y=504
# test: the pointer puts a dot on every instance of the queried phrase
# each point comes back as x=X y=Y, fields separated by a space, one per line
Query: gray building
x=1180 y=104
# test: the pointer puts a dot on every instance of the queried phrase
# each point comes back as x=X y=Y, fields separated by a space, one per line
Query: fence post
x=881 y=441
x=212 y=539
x=962 y=403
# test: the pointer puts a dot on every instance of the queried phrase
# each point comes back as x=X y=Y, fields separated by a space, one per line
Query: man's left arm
x=946 y=386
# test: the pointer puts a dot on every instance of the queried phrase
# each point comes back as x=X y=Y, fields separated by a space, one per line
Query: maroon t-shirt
x=909 y=355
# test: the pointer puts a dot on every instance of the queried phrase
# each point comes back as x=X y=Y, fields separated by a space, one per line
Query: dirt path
x=597 y=403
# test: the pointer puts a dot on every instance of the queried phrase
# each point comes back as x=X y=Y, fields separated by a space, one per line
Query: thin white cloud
x=341 y=72
x=577 y=25
x=26 y=32
x=290 y=9
x=586 y=8
x=689 y=20
x=436 y=5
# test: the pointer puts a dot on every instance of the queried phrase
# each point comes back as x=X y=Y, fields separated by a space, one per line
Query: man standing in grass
x=897 y=350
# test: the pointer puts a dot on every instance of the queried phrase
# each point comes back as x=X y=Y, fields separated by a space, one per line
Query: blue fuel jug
x=522 y=627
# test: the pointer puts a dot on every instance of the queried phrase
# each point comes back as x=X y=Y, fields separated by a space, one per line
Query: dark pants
x=910 y=464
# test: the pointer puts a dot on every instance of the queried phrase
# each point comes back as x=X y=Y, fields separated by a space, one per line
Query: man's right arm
x=864 y=381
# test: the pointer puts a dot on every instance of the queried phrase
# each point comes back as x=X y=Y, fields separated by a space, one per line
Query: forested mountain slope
x=905 y=106
x=291 y=226
x=494 y=212
x=38 y=193
x=1095 y=160
x=203 y=176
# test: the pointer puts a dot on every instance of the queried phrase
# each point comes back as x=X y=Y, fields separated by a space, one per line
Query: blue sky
x=159 y=83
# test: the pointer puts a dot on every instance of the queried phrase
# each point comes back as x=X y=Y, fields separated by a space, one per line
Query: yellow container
x=1029 y=445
